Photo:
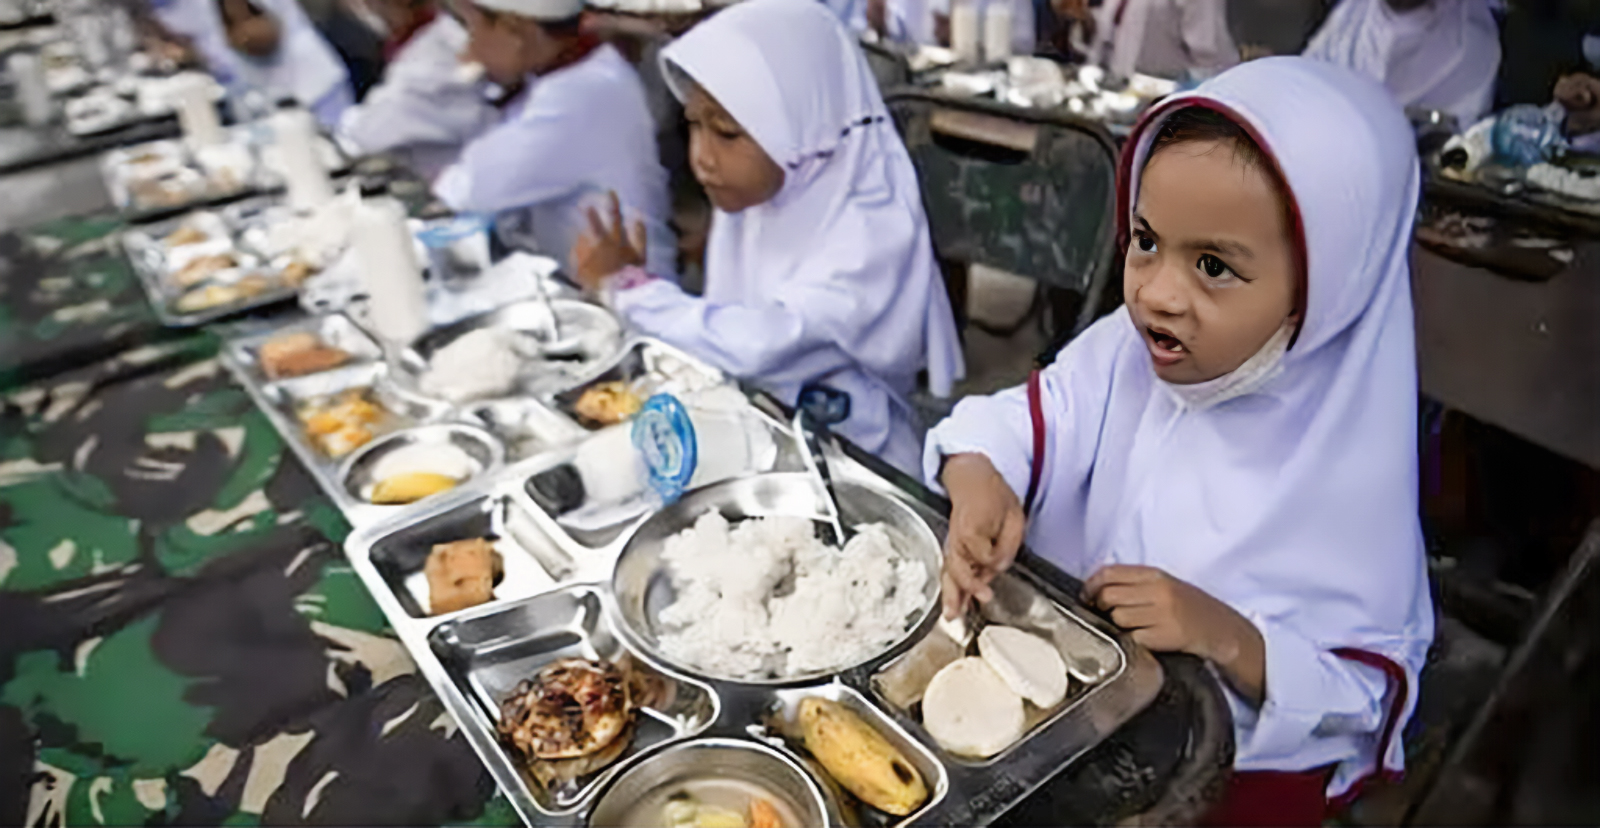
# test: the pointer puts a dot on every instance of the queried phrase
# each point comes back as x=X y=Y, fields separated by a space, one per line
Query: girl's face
x=250 y=31
x=1211 y=269
x=509 y=47
x=736 y=172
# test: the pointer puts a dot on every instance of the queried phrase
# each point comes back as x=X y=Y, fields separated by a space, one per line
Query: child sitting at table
x=425 y=108
x=575 y=126
x=1230 y=460
x=819 y=269
x=267 y=45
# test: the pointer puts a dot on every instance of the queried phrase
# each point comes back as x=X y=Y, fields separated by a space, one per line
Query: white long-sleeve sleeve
x=1319 y=708
x=997 y=426
x=421 y=101
x=1206 y=38
x=772 y=343
x=520 y=162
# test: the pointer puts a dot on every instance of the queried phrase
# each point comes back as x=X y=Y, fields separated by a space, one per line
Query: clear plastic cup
x=458 y=250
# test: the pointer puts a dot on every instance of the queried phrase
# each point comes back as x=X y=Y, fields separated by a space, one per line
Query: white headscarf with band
x=304 y=67
x=1443 y=55
x=833 y=280
x=1289 y=492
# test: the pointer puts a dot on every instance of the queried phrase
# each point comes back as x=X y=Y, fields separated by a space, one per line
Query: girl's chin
x=1182 y=372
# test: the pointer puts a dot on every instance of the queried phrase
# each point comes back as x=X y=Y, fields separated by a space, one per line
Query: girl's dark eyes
x=1145 y=243
x=1212 y=266
x=720 y=131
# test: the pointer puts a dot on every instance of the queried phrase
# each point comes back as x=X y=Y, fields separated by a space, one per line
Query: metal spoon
x=556 y=347
x=817 y=464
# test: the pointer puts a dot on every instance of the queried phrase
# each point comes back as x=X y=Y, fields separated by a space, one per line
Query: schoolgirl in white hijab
x=1434 y=54
x=819 y=267
x=1164 y=38
x=1230 y=460
x=301 y=66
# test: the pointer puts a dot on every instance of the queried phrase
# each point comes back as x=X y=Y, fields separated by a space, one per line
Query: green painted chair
x=1031 y=192
x=889 y=67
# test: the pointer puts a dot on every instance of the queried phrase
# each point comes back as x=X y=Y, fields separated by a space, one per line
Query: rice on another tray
x=767 y=599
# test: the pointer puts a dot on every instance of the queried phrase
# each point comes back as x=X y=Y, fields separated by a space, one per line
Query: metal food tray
x=596 y=333
x=513 y=429
x=203 y=189
x=556 y=599
x=149 y=258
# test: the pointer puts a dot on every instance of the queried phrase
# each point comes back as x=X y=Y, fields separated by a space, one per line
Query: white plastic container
x=965 y=30
x=32 y=92
x=197 y=113
x=997 y=24
x=295 y=133
x=397 y=309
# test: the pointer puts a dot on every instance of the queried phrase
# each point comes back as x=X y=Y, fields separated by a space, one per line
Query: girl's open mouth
x=1165 y=348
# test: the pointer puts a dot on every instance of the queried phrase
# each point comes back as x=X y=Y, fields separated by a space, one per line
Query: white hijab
x=1444 y=55
x=1291 y=493
x=304 y=67
x=845 y=240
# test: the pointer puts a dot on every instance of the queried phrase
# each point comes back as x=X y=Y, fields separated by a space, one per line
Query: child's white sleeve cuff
x=1319 y=708
x=997 y=426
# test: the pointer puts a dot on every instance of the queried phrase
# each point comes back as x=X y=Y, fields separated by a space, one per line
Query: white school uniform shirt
x=852 y=13
x=833 y=281
x=571 y=136
x=911 y=22
x=1164 y=38
x=1288 y=489
x=1444 y=55
x=304 y=68
x=422 y=108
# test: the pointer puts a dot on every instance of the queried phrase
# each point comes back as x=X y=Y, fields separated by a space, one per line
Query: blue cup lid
x=664 y=437
x=443 y=232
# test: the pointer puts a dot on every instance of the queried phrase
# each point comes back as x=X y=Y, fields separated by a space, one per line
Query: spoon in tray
x=817 y=464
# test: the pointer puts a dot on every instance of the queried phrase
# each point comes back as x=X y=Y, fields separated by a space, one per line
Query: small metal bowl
x=643 y=587
x=479 y=445
x=636 y=795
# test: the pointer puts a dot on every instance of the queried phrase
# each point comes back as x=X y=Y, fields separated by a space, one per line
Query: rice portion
x=767 y=599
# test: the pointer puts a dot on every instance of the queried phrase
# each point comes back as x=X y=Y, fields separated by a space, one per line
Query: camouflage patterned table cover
x=181 y=640
x=68 y=297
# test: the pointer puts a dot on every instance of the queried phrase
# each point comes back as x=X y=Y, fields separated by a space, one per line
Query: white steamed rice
x=844 y=606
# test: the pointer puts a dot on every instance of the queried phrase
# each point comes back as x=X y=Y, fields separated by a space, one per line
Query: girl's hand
x=1166 y=614
x=606 y=249
x=986 y=529
x=1580 y=94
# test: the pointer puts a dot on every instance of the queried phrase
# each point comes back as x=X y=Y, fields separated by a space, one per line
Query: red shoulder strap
x=1036 y=413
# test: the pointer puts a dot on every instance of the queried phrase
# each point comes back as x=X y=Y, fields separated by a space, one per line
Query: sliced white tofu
x=1028 y=664
x=969 y=710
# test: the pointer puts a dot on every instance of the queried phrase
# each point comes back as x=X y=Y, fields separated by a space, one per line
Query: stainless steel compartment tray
x=484 y=654
x=533 y=561
x=152 y=263
x=592 y=339
x=961 y=792
x=647 y=367
x=280 y=399
x=334 y=330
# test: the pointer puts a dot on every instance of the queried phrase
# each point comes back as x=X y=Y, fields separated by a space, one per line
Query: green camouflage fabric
x=68 y=297
x=181 y=638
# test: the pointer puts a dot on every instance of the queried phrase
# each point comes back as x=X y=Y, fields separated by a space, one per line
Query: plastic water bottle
x=1525 y=135
x=966 y=30
x=997 y=31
